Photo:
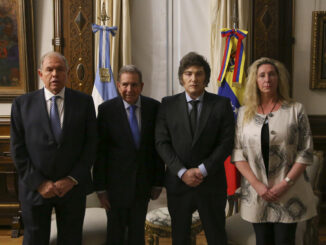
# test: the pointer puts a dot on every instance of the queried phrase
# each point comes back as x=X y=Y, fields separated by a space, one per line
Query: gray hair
x=130 y=69
x=56 y=54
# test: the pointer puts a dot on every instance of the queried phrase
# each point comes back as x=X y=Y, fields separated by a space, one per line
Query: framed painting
x=318 y=51
x=17 y=49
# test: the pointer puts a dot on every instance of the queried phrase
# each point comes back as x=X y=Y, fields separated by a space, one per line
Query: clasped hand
x=273 y=193
x=49 y=189
x=192 y=177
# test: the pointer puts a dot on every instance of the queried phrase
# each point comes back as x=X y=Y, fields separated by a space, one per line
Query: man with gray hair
x=128 y=171
x=53 y=145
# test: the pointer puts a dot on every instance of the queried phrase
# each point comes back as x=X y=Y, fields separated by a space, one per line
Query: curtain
x=120 y=44
x=221 y=12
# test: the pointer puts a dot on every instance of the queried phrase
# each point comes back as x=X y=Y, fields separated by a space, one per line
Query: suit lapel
x=68 y=105
x=182 y=113
x=204 y=115
x=44 y=112
x=125 y=122
x=143 y=117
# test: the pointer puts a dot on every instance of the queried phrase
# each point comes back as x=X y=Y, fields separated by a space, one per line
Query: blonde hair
x=252 y=93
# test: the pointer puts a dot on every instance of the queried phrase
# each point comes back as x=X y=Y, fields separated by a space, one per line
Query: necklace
x=270 y=114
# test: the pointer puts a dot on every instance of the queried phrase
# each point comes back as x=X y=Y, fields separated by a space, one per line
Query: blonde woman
x=273 y=146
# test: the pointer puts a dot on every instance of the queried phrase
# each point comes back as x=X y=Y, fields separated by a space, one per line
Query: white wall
x=178 y=27
x=191 y=26
x=149 y=32
x=160 y=35
x=313 y=100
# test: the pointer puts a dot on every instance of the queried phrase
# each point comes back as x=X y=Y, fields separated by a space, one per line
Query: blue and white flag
x=104 y=85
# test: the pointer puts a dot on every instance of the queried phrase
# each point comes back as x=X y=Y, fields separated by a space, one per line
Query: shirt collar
x=127 y=105
x=200 y=97
x=48 y=94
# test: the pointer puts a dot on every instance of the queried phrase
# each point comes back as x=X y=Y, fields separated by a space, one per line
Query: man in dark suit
x=194 y=135
x=128 y=171
x=53 y=145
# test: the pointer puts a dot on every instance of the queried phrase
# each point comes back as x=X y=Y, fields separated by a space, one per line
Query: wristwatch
x=289 y=181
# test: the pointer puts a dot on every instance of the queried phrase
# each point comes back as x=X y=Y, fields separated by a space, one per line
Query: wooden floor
x=201 y=240
x=6 y=240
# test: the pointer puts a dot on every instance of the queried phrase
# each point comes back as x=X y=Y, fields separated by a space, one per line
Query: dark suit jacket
x=35 y=152
x=121 y=169
x=211 y=144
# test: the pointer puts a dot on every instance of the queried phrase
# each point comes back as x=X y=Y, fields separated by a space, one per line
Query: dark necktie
x=193 y=116
x=134 y=124
x=55 y=119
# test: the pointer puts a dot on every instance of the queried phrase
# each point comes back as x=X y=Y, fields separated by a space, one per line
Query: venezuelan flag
x=231 y=83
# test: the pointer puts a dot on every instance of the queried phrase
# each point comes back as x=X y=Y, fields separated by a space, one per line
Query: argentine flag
x=104 y=90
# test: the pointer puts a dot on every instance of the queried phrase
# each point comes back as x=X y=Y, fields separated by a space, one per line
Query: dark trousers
x=126 y=225
x=275 y=233
x=211 y=208
x=70 y=212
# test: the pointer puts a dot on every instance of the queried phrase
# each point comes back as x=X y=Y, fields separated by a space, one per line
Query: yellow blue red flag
x=231 y=83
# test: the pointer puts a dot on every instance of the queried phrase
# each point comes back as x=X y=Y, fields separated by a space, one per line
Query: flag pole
x=230 y=78
x=235 y=17
x=103 y=15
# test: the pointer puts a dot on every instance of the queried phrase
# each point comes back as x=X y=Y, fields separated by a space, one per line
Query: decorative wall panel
x=74 y=38
x=272 y=34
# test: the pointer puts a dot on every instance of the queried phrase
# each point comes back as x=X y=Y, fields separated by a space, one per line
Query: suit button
x=273 y=132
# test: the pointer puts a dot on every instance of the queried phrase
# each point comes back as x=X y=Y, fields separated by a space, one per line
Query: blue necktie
x=134 y=124
x=55 y=119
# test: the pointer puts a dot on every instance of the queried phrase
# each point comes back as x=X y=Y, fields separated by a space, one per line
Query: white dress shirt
x=137 y=112
x=60 y=102
x=199 y=107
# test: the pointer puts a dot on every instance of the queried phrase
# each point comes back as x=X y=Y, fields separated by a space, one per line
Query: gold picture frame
x=17 y=49
x=318 y=51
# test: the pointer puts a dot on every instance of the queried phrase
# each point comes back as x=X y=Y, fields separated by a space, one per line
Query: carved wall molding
x=73 y=37
x=317 y=67
x=272 y=31
x=266 y=25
